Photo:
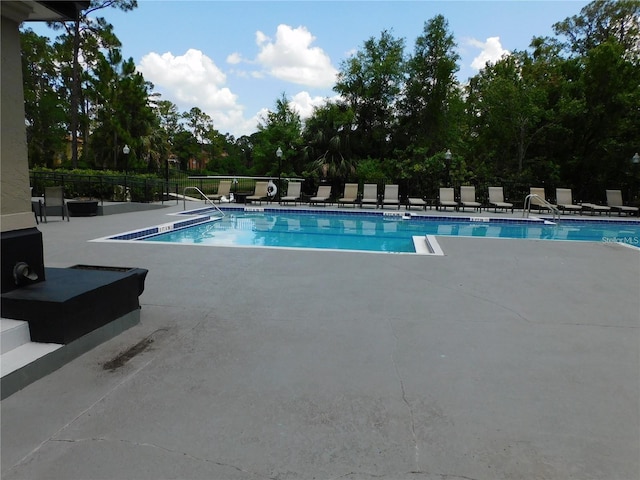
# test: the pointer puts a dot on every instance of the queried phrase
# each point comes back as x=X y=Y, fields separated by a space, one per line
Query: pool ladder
x=206 y=199
x=527 y=206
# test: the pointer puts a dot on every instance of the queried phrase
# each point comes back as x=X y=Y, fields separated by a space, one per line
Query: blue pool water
x=375 y=232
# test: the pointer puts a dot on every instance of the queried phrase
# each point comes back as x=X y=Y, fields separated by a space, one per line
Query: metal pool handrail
x=527 y=206
x=206 y=199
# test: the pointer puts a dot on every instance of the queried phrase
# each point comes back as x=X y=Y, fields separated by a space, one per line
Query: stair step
x=24 y=355
x=13 y=333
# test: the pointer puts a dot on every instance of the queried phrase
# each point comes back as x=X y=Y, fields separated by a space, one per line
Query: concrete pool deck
x=502 y=359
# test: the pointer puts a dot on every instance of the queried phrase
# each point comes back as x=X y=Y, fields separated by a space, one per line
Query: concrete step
x=13 y=333
x=17 y=350
x=25 y=355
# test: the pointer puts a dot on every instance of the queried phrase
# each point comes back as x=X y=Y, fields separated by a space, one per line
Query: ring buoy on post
x=272 y=189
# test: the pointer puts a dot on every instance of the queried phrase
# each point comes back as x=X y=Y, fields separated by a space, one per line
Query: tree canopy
x=563 y=112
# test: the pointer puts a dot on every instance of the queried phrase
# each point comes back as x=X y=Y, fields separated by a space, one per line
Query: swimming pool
x=389 y=232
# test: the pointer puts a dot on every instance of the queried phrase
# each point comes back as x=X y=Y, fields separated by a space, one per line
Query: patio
x=502 y=359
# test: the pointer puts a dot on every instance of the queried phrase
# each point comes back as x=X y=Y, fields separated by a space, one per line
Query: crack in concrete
x=164 y=449
x=404 y=398
x=443 y=476
x=81 y=414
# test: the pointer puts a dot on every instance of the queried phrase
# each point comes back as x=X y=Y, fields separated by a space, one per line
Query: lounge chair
x=539 y=201
x=224 y=187
x=593 y=208
x=369 y=195
x=322 y=195
x=468 y=198
x=614 y=200
x=293 y=193
x=564 y=200
x=416 y=202
x=496 y=199
x=54 y=197
x=350 y=194
x=390 y=196
x=447 y=198
x=260 y=193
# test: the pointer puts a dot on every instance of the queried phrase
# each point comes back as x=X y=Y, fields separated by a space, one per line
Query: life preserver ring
x=272 y=189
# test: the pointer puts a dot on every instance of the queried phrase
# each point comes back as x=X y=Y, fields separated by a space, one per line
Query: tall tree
x=282 y=128
x=44 y=106
x=123 y=114
x=83 y=30
x=327 y=135
x=507 y=108
x=431 y=92
x=602 y=21
x=370 y=82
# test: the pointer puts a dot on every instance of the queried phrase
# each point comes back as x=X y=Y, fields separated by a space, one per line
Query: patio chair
x=390 y=196
x=224 y=188
x=447 y=198
x=323 y=195
x=260 y=192
x=293 y=193
x=350 y=194
x=468 y=198
x=564 y=200
x=496 y=199
x=614 y=200
x=416 y=202
x=369 y=195
x=540 y=198
x=54 y=197
x=594 y=207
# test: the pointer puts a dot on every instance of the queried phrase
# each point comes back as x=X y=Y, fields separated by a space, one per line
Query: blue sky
x=234 y=59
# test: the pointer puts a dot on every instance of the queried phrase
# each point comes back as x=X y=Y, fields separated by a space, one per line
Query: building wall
x=15 y=199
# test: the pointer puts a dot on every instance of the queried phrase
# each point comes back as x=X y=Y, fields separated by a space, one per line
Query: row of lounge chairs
x=564 y=201
x=447 y=198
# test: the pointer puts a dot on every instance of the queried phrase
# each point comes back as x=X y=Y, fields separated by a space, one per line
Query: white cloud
x=491 y=51
x=234 y=58
x=304 y=103
x=194 y=80
x=292 y=58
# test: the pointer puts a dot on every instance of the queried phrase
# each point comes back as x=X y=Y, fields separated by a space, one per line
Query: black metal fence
x=117 y=188
x=122 y=188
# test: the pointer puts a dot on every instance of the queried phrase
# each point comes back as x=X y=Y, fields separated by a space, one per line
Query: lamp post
x=279 y=155
x=126 y=151
x=447 y=157
x=635 y=160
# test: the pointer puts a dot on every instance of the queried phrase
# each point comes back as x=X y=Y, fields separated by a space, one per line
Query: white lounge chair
x=322 y=195
x=468 y=198
x=369 y=195
x=614 y=200
x=294 y=191
x=350 y=194
x=390 y=196
x=539 y=199
x=260 y=192
x=564 y=200
x=224 y=187
x=416 y=202
x=496 y=199
x=447 y=198
x=593 y=208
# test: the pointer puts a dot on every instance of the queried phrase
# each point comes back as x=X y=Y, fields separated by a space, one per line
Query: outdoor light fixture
x=635 y=159
x=126 y=151
x=279 y=155
x=447 y=157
